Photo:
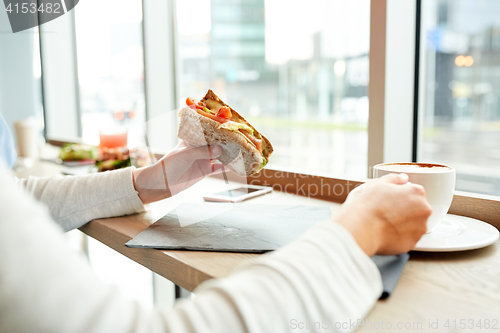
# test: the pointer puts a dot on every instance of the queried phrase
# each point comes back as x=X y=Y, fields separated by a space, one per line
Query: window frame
x=160 y=65
x=59 y=77
x=391 y=88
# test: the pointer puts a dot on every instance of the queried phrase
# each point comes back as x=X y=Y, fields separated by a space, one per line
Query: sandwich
x=210 y=121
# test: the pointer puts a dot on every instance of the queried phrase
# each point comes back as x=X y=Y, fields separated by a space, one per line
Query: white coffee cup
x=438 y=181
x=27 y=133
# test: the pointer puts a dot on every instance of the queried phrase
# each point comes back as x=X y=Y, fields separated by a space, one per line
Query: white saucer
x=458 y=233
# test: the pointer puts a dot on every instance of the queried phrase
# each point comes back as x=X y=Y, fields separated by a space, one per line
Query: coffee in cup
x=438 y=181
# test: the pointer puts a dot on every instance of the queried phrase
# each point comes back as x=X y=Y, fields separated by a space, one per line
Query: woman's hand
x=386 y=215
x=179 y=169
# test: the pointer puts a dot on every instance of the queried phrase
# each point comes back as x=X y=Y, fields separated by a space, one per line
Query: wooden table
x=450 y=288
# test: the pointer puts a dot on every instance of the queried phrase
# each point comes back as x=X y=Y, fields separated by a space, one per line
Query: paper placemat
x=227 y=227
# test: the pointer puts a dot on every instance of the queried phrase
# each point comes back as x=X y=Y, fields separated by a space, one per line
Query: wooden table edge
x=161 y=262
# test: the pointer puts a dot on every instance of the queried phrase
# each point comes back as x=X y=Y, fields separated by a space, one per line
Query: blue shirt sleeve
x=7 y=151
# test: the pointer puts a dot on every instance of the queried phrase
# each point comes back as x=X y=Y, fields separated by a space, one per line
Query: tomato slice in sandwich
x=212 y=116
x=194 y=103
x=190 y=101
x=222 y=116
x=224 y=112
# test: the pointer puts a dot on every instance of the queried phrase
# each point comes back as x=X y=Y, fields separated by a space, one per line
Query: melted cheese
x=214 y=106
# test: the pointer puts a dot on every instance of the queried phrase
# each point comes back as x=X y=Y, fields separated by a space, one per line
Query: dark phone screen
x=237 y=192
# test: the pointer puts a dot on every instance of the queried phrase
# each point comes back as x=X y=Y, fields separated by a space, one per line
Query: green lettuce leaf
x=208 y=110
x=264 y=162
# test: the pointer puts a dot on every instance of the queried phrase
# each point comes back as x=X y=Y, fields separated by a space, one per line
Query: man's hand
x=387 y=215
x=179 y=169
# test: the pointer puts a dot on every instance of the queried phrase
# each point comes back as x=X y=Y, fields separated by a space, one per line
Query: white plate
x=458 y=233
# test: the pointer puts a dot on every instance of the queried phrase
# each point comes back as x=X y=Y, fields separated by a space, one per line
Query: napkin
x=391 y=268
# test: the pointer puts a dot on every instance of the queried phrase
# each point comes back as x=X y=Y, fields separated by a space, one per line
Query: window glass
x=110 y=67
x=461 y=112
x=297 y=70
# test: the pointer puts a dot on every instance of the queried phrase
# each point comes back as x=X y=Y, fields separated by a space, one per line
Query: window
x=110 y=67
x=461 y=111
x=301 y=77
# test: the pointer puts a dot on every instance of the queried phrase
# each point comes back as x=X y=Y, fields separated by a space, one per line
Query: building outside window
x=461 y=125
x=298 y=71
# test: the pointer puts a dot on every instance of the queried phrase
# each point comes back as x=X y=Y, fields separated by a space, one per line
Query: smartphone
x=239 y=194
